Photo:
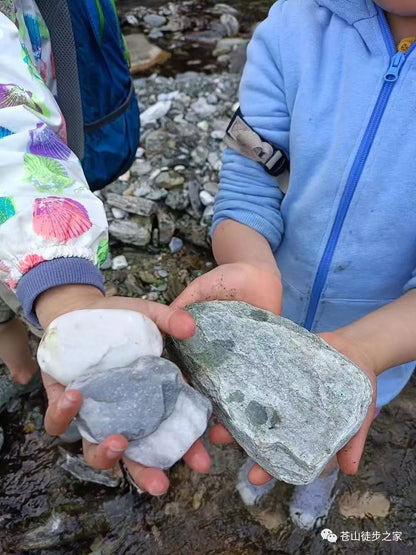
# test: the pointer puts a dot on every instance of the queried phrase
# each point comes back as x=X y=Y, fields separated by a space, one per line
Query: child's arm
x=247 y=271
x=52 y=227
x=247 y=193
x=64 y=405
x=247 y=225
x=387 y=336
x=53 y=233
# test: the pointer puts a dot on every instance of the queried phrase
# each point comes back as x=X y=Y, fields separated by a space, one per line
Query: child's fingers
x=349 y=456
x=219 y=435
x=62 y=408
x=171 y=321
x=152 y=480
x=217 y=285
x=197 y=458
x=195 y=292
x=258 y=476
x=107 y=453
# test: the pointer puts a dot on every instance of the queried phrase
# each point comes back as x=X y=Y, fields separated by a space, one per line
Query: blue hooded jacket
x=324 y=83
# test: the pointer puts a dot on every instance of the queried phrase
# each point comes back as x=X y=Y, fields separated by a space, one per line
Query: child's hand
x=235 y=282
x=63 y=406
x=349 y=456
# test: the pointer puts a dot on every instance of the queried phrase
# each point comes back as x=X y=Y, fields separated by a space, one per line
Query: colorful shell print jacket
x=53 y=230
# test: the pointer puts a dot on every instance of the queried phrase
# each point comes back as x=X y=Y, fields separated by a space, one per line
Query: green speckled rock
x=290 y=400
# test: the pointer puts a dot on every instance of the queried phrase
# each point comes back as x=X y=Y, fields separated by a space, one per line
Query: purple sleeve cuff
x=60 y=271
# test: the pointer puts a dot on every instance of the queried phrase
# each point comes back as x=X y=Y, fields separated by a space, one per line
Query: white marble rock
x=85 y=342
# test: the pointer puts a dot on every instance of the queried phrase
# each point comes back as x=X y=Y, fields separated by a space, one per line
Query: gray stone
x=202 y=108
x=143 y=54
x=155 y=34
x=225 y=46
x=154 y=20
x=169 y=180
x=71 y=434
x=208 y=215
x=149 y=404
x=192 y=231
x=217 y=134
x=155 y=112
x=119 y=262
x=288 y=398
x=118 y=213
x=77 y=467
x=238 y=59
x=200 y=155
x=224 y=59
x=203 y=125
x=212 y=99
x=134 y=205
x=224 y=8
x=158 y=141
x=209 y=37
x=136 y=231
x=230 y=23
x=1 y=438
x=157 y=194
x=132 y=20
x=10 y=390
x=194 y=191
x=106 y=265
x=211 y=187
x=142 y=190
x=165 y=225
x=177 y=200
x=140 y=168
x=206 y=198
x=175 y=244
x=215 y=161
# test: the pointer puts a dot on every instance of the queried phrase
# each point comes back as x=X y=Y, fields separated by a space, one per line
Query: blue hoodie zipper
x=397 y=59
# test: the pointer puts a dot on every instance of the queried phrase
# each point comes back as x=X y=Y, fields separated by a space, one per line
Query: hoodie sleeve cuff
x=59 y=271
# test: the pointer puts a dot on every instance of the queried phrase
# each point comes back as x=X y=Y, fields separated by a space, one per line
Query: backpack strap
x=58 y=21
x=240 y=136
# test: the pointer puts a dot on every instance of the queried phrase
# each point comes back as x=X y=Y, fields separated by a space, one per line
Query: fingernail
x=67 y=401
x=156 y=490
x=114 y=453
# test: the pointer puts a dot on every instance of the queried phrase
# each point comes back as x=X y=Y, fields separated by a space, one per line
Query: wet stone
x=302 y=399
x=134 y=205
x=175 y=244
x=157 y=194
x=150 y=405
x=193 y=231
x=119 y=262
x=230 y=22
x=165 y=225
x=177 y=200
x=11 y=391
x=154 y=20
x=136 y=231
x=77 y=467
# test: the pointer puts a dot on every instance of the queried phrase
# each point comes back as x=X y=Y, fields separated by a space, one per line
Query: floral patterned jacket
x=53 y=229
